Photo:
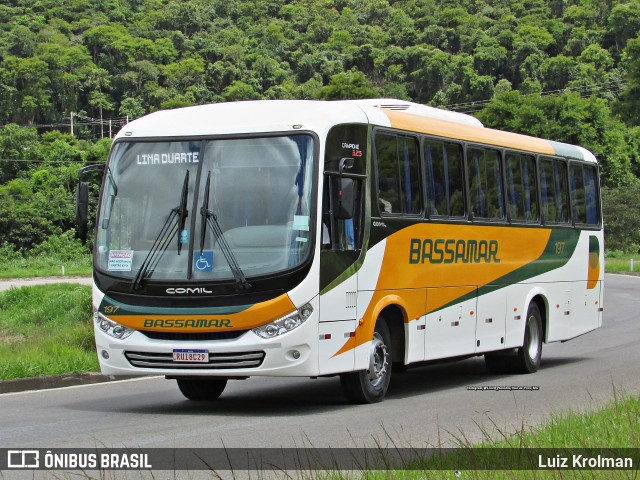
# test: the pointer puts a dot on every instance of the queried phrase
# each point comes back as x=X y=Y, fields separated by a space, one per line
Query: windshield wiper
x=166 y=234
x=210 y=219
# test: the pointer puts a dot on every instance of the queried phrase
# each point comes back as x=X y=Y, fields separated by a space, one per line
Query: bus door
x=341 y=247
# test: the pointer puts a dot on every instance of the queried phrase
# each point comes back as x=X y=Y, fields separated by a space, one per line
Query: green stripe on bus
x=560 y=248
x=126 y=309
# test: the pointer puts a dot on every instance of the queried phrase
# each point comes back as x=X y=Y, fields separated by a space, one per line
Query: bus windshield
x=156 y=224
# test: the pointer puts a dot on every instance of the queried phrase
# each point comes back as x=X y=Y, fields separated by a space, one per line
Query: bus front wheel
x=370 y=386
x=201 y=389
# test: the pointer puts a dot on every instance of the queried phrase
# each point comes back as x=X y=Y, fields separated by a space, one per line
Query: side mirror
x=345 y=164
x=82 y=203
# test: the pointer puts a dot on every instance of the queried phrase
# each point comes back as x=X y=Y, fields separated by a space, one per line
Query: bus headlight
x=285 y=324
x=111 y=328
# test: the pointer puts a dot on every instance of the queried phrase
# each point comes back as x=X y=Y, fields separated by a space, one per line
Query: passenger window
x=554 y=191
x=522 y=197
x=584 y=194
x=445 y=180
x=485 y=184
x=399 y=190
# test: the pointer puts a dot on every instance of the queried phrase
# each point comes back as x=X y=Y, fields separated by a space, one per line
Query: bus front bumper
x=289 y=354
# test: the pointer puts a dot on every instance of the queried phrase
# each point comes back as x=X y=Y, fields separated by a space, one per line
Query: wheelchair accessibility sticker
x=203 y=262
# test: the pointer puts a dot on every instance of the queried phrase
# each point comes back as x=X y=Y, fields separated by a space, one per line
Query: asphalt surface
x=425 y=407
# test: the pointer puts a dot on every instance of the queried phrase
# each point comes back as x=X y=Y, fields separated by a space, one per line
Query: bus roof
x=263 y=116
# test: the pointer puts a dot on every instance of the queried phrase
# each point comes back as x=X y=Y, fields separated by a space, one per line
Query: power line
x=78 y=120
x=612 y=86
x=61 y=162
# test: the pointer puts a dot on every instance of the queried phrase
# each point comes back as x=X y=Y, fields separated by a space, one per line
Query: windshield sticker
x=301 y=240
x=184 y=236
x=167 y=158
x=203 y=262
x=301 y=222
x=120 y=260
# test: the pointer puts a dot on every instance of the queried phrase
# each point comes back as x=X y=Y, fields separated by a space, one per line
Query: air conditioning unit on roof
x=419 y=110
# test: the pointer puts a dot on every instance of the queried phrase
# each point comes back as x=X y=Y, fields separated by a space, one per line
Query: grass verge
x=44 y=266
x=46 y=330
x=614 y=426
x=616 y=262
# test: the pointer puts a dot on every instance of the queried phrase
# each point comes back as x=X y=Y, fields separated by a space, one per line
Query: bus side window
x=522 y=199
x=555 y=191
x=445 y=182
x=591 y=194
x=485 y=183
x=399 y=190
x=582 y=184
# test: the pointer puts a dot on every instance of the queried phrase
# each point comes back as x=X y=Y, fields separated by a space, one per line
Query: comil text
x=453 y=251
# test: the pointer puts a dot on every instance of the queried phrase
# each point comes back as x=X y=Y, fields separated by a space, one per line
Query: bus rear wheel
x=370 y=386
x=526 y=358
x=529 y=355
x=201 y=388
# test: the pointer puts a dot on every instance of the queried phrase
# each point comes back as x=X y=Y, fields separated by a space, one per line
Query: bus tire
x=370 y=386
x=202 y=389
x=528 y=358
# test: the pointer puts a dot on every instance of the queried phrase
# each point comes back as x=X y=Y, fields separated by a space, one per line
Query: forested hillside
x=562 y=69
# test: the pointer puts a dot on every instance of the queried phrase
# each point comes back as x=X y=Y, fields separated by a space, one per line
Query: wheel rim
x=534 y=338
x=378 y=361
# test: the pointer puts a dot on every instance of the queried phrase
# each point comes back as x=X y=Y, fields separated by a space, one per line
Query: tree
x=568 y=118
x=18 y=145
x=102 y=102
x=348 y=85
x=624 y=22
x=26 y=83
x=132 y=108
x=621 y=218
x=629 y=105
x=239 y=90
x=556 y=72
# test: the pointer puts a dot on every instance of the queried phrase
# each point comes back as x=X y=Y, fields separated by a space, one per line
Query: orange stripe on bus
x=469 y=133
x=255 y=316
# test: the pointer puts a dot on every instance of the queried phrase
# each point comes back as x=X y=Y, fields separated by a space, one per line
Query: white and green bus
x=308 y=239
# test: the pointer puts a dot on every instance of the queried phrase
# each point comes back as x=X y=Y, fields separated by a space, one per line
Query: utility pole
x=72 y=124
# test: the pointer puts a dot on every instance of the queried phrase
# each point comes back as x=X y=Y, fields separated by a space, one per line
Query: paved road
x=425 y=407
x=6 y=284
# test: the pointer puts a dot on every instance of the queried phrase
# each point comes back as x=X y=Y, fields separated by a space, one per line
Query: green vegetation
x=126 y=58
x=46 y=259
x=46 y=330
x=565 y=70
x=616 y=425
x=621 y=219
x=618 y=262
x=41 y=266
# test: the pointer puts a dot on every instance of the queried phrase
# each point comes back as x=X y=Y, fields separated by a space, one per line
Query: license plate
x=191 y=356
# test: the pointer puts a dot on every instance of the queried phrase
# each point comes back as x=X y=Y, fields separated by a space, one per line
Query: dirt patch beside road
x=6 y=284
